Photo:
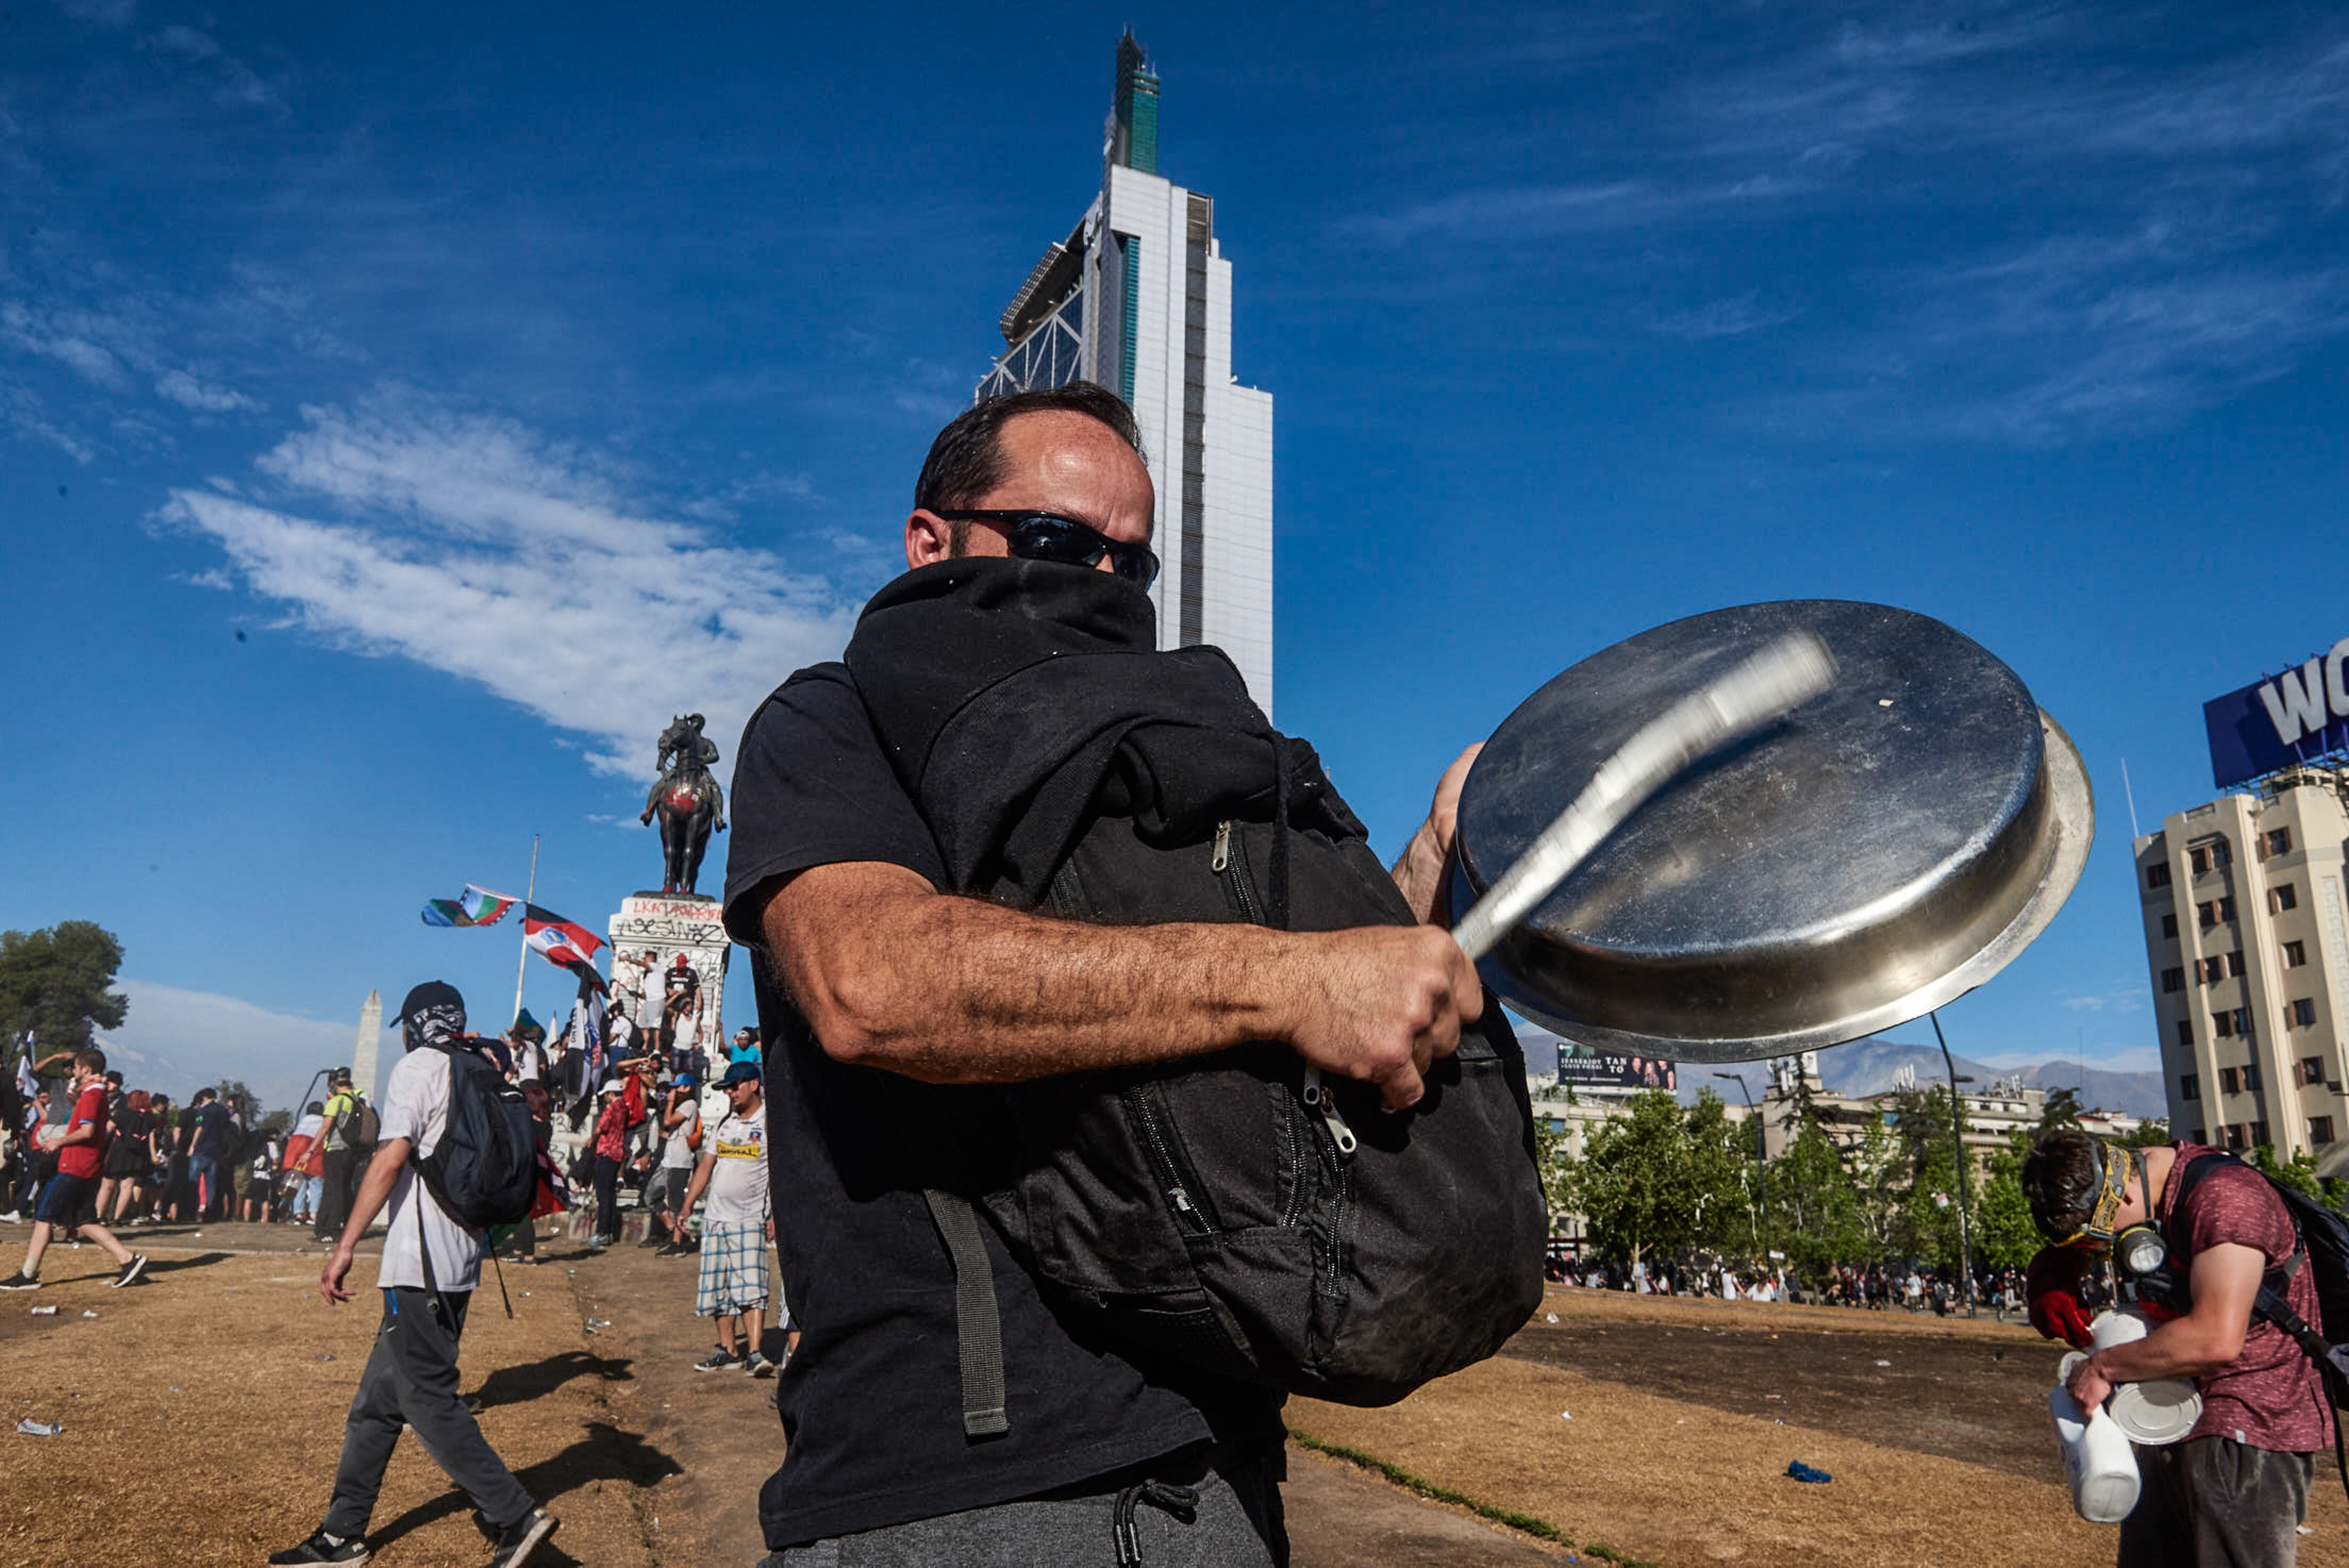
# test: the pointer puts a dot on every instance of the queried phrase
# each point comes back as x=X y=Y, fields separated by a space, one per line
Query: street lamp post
x=1957 y=1136
x=1761 y=1154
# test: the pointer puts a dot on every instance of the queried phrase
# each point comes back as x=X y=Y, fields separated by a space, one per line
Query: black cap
x=432 y=994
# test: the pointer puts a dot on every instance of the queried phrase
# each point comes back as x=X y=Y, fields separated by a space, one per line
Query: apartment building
x=2247 y=944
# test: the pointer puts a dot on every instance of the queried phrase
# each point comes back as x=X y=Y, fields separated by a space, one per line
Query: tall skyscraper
x=1138 y=299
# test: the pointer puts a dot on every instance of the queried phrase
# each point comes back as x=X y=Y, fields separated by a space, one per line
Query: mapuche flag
x=560 y=941
x=480 y=906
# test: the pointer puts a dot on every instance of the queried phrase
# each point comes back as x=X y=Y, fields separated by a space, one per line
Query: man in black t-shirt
x=868 y=975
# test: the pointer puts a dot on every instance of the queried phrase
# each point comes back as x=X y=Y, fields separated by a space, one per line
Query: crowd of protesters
x=157 y=1161
x=1879 y=1287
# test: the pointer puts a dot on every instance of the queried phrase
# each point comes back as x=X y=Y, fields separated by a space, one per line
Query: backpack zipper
x=1175 y=1180
x=1319 y=1096
x=1229 y=862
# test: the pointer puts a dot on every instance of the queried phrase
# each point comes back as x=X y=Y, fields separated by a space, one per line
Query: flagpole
x=523 y=958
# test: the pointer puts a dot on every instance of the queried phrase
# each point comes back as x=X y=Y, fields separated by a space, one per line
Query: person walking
x=431 y=1264
x=69 y=1202
x=736 y=1227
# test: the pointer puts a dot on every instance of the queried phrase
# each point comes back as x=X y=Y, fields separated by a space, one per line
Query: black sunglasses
x=1049 y=536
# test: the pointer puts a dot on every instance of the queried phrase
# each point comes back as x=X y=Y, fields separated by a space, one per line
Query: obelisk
x=363 y=1053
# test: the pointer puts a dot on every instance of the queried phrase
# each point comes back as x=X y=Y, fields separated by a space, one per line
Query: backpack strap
x=978 y=1327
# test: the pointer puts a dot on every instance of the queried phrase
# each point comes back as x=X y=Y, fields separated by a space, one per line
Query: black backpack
x=484 y=1170
x=1238 y=1211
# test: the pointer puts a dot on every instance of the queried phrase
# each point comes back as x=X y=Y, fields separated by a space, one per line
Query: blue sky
x=404 y=411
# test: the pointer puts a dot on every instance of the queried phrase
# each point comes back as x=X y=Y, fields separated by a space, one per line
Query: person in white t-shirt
x=736 y=1227
x=680 y=1122
x=431 y=1265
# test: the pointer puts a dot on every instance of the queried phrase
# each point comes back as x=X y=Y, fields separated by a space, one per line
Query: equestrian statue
x=689 y=802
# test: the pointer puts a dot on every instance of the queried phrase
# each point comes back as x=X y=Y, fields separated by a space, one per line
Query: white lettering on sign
x=2301 y=702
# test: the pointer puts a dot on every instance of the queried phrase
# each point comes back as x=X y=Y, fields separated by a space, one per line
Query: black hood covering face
x=1018 y=699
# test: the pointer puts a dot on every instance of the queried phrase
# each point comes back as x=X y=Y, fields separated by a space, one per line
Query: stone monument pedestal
x=664 y=925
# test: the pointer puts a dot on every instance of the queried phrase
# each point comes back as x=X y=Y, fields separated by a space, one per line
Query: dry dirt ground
x=1686 y=1414
x=202 y=1413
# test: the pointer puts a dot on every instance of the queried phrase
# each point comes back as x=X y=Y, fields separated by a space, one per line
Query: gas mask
x=2140 y=1251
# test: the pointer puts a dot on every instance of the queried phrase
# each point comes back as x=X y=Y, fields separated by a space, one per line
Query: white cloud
x=177 y=1041
x=67 y=342
x=20 y=410
x=1727 y=318
x=474 y=546
x=204 y=396
x=107 y=12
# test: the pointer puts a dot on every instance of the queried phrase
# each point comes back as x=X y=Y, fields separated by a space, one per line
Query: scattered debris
x=1884 y=1364
x=45 y=1312
x=33 y=1428
x=1551 y=1318
x=1566 y=1414
x=89 y=1314
x=1773 y=1395
x=1802 y=1471
x=329 y=1356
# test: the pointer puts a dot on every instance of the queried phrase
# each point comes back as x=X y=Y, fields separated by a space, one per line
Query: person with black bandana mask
x=2200 y=1234
x=431 y=1264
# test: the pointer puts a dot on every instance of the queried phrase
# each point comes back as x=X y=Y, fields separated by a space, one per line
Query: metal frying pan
x=1884 y=848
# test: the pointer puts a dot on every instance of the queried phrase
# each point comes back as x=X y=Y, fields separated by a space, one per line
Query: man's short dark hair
x=316 y=1109
x=2059 y=1181
x=204 y=1096
x=90 y=1059
x=966 y=459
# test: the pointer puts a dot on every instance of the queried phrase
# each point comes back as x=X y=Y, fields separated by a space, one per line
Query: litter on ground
x=1802 y=1471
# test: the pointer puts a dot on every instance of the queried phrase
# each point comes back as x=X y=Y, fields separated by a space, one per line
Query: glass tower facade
x=1138 y=298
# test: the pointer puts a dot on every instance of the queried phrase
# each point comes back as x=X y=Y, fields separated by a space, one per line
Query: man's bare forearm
x=959 y=990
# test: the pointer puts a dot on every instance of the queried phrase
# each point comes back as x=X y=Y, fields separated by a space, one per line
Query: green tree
x=1559 y=1170
x=58 y=984
x=2004 y=1236
x=1643 y=1186
x=2145 y=1135
x=2061 y=1109
x=1877 y=1164
x=1814 y=1210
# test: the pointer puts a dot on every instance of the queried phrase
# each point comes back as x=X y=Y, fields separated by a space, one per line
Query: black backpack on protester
x=1236 y=1212
x=2322 y=1234
x=484 y=1170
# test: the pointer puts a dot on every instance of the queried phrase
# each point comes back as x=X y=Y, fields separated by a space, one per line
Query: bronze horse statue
x=689 y=802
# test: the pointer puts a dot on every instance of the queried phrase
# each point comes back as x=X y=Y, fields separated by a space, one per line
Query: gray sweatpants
x=411 y=1377
x=1184 y=1515
x=2213 y=1503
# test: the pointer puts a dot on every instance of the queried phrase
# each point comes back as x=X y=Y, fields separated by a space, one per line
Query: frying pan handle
x=1759 y=690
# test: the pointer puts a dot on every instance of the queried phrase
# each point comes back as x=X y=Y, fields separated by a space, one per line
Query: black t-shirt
x=872 y=1404
x=211 y=1131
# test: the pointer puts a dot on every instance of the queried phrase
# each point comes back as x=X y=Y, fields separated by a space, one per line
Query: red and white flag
x=557 y=940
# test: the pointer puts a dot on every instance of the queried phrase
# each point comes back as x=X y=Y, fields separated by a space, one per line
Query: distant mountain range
x=1870 y=1067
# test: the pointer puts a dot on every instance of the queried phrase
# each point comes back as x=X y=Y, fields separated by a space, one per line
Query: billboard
x=1582 y=1067
x=2299 y=716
